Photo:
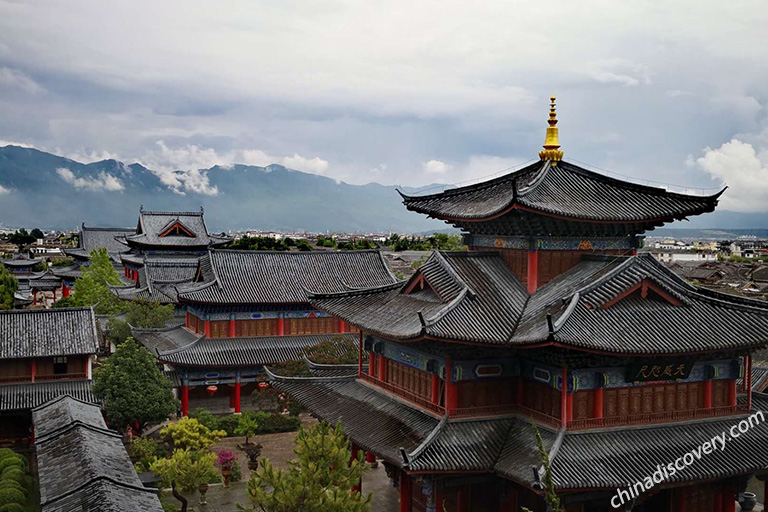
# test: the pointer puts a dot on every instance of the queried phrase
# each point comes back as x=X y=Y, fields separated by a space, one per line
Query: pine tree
x=550 y=496
x=8 y=287
x=91 y=288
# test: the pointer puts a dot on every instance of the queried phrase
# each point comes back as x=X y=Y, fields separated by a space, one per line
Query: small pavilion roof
x=28 y=395
x=44 y=281
x=562 y=190
x=69 y=272
x=152 y=228
x=94 y=237
x=269 y=277
x=160 y=277
x=602 y=304
x=21 y=262
x=48 y=332
x=82 y=465
x=250 y=351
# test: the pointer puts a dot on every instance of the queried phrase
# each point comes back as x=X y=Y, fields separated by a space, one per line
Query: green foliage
x=9 y=495
x=13 y=473
x=190 y=434
x=271 y=423
x=132 y=388
x=438 y=241
x=303 y=245
x=37 y=234
x=12 y=507
x=335 y=350
x=92 y=288
x=319 y=479
x=289 y=242
x=247 y=426
x=207 y=418
x=291 y=368
x=550 y=496
x=146 y=314
x=65 y=302
x=145 y=447
x=229 y=423
x=18 y=462
x=9 y=285
x=259 y=243
x=236 y=475
x=266 y=422
x=65 y=262
x=21 y=238
x=187 y=468
x=325 y=242
x=7 y=452
x=117 y=330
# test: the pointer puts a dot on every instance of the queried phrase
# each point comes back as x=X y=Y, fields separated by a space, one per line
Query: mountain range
x=39 y=189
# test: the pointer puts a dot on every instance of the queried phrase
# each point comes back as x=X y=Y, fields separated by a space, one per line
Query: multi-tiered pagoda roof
x=173 y=230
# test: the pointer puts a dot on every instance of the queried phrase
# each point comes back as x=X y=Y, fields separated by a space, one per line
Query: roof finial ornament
x=551 y=150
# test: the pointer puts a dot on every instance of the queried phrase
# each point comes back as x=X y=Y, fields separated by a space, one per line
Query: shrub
x=10 y=495
x=236 y=476
x=6 y=452
x=188 y=433
x=12 y=507
x=229 y=423
x=145 y=447
x=207 y=418
x=188 y=469
x=13 y=473
x=17 y=461
x=13 y=484
x=274 y=423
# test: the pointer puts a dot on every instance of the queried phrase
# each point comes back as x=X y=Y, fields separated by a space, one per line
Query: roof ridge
x=357 y=292
x=182 y=348
x=44 y=311
x=285 y=378
x=537 y=180
x=410 y=457
x=172 y=213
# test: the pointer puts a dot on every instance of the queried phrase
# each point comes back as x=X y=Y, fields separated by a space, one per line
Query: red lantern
x=211 y=390
x=263 y=385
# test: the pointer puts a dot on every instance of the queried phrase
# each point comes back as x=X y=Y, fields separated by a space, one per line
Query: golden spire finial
x=551 y=150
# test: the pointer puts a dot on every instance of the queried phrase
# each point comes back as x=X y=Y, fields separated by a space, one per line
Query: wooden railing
x=16 y=378
x=61 y=376
x=661 y=417
x=404 y=393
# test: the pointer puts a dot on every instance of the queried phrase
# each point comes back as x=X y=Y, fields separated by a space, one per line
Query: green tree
x=247 y=426
x=550 y=496
x=37 y=234
x=132 y=389
x=21 y=238
x=148 y=314
x=188 y=433
x=9 y=285
x=319 y=480
x=335 y=350
x=303 y=245
x=187 y=469
x=92 y=287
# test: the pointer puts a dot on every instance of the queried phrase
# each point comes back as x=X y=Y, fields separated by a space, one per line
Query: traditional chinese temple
x=248 y=309
x=43 y=354
x=550 y=317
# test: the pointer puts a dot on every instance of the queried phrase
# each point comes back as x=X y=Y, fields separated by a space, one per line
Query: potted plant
x=226 y=459
x=253 y=451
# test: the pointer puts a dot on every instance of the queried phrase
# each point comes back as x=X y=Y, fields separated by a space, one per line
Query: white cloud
x=102 y=182
x=744 y=170
x=4 y=190
x=619 y=71
x=314 y=165
x=16 y=79
x=4 y=143
x=88 y=156
x=436 y=167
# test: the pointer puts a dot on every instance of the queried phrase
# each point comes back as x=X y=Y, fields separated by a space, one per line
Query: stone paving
x=278 y=448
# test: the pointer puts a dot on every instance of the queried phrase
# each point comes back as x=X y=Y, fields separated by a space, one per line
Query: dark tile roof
x=262 y=277
x=153 y=224
x=333 y=370
x=564 y=190
x=373 y=420
x=70 y=272
x=27 y=395
x=44 y=281
x=83 y=466
x=48 y=332
x=93 y=238
x=475 y=297
x=159 y=278
x=165 y=339
x=255 y=351
x=22 y=262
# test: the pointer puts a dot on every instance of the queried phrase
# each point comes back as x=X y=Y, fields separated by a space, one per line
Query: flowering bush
x=226 y=459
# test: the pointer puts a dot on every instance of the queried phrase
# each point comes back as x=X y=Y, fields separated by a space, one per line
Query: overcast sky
x=397 y=92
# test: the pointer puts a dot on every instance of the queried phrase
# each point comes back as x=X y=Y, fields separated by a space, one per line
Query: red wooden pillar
x=597 y=406
x=435 y=397
x=461 y=500
x=185 y=400
x=237 y=397
x=382 y=368
x=360 y=355
x=207 y=328
x=564 y=399
x=438 y=498
x=371 y=364
x=749 y=383
x=707 y=394
x=569 y=407
x=33 y=369
x=64 y=290
x=680 y=502
x=341 y=326
x=186 y=319
x=370 y=458
x=54 y=295
x=231 y=327
x=732 y=393
x=451 y=396
x=34 y=297
x=281 y=326
x=533 y=271
x=719 y=500
x=231 y=397
x=729 y=501
x=406 y=501
x=355 y=450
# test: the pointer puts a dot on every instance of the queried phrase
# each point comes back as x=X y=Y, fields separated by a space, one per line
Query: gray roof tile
x=28 y=395
x=48 y=332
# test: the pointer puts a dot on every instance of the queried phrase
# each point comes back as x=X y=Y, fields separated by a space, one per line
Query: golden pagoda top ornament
x=551 y=150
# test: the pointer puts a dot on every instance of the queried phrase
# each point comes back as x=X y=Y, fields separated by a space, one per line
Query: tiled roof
x=21 y=262
x=333 y=370
x=254 y=351
x=83 y=466
x=93 y=238
x=373 y=420
x=564 y=190
x=165 y=339
x=71 y=272
x=44 y=281
x=262 y=277
x=474 y=296
x=48 y=332
x=159 y=277
x=25 y=396
x=153 y=224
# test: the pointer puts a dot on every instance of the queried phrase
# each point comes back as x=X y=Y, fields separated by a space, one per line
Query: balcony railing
x=38 y=378
x=404 y=393
x=16 y=378
x=661 y=417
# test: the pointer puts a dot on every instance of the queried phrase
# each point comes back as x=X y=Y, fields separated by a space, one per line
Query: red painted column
x=564 y=399
x=231 y=327
x=34 y=297
x=370 y=458
x=597 y=406
x=186 y=319
x=732 y=393
x=231 y=397
x=719 y=501
x=371 y=364
x=360 y=355
x=281 y=326
x=33 y=369
x=185 y=400
x=435 y=397
x=237 y=397
x=406 y=501
x=533 y=271
x=54 y=295
x=382 y=368
x=451 y=396
x=64 y=290
x=461 y=500
x=340 y=325
x=707 y=394
x=569 y=407
x=355 y=450
x=749 y=384
x=207 y=328
x=729 y=503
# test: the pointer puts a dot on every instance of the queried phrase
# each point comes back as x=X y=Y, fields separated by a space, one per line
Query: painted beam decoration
x=555 y=243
